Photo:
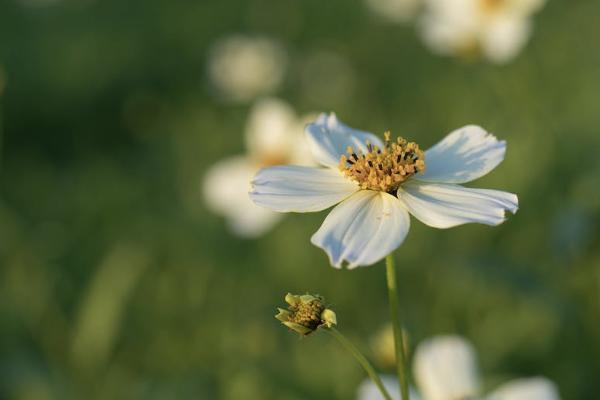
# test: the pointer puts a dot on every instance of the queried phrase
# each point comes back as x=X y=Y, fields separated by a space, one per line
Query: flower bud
x=306 y=313
x=384 y=347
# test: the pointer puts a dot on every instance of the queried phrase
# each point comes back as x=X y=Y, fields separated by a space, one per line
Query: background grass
x=117 y=283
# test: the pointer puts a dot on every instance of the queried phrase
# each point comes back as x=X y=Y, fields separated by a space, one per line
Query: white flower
x=369 y=391
x=537 y=388
x=274 y=135
x=497 y=29
x=242 y=68
x=380 y=184
x=445 y=368
x=394 y=10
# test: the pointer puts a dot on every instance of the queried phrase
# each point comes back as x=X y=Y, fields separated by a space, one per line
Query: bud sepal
x=306 y=313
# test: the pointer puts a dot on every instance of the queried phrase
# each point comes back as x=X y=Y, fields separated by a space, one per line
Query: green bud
x=303 y=330
x=283 y=315
x=328 y=317
x=306 y=313
x=291 y=299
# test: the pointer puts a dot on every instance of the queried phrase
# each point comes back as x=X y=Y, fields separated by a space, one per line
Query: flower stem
x=361 y=359
x=395 y=314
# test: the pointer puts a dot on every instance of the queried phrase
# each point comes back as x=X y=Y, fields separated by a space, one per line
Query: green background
x=116 y=282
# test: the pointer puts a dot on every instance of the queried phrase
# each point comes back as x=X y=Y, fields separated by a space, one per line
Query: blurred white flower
x=538 y=388
x=495 y=29
x=445 y=368
x=274 y=135
x=242 y=68
x=394 y=10
x=377 y=184
x=368 y=391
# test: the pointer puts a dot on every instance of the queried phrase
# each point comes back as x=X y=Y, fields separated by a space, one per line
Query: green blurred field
x=117 y=283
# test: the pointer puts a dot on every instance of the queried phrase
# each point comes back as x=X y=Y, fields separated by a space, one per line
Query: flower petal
x=363 y=229
x=538 y=388
x=466 y=154
x=329 y=138
x=293 y=188
x=269 y=129
x=444 y=205
x=504 y=38
x=369 y=391
x=446 y=369
x=225 y=189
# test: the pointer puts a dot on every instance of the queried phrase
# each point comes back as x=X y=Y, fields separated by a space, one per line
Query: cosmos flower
x=368 y=391
x=378 y=183
x=242 y=68
x=274 y=135
x=494 y=29
x=445 y=368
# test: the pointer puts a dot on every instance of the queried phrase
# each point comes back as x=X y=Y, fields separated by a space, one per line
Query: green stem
x=1 y=121
x=361 y=359
x=397 y=326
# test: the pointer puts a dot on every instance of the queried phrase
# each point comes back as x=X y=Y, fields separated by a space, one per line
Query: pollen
x=491 y=6
x=383 y=169
x=308 y=313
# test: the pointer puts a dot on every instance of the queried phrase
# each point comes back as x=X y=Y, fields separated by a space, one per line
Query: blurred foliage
x=116 y=282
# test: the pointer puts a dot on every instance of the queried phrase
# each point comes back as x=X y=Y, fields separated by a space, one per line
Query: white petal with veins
x=329 y=139
x=225 y=189
x=465 y=154
x=363 y=229
x=445 y=205
x=293 y=188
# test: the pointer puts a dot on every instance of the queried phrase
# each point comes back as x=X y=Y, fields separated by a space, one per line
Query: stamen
x=383 y=169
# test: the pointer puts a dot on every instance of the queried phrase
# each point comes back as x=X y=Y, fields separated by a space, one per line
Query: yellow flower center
x=383 y=169
x=492 y=6
x=308 y=314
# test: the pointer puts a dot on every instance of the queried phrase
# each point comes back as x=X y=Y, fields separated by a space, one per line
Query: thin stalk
x=1 y=123
x=397 y=326
x=362 y=360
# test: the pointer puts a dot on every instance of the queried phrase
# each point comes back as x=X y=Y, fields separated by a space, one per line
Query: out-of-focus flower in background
x=445 y=368
x=274 y=135
x=368 y=391
x=378 y=184
x=382 y=346
x=242 y=68
x=537 y=388
x=494 y=29
x=399 y=11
